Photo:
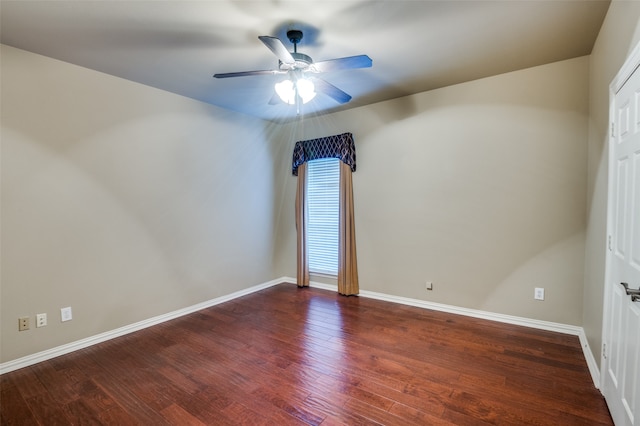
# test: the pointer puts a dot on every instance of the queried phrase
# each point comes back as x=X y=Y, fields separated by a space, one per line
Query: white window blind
x=323 y=204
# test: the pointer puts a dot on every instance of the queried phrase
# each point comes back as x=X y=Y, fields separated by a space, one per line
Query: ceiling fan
x=302 y=83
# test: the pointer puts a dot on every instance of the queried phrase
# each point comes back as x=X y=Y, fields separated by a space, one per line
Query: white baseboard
x=28 y=360
x=509 y=319
x=591 y=361
x=491 y=316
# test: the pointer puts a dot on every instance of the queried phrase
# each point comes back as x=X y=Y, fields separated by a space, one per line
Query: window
x=323 y=209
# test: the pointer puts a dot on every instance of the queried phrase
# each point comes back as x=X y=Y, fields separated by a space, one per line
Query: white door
x=621 y=353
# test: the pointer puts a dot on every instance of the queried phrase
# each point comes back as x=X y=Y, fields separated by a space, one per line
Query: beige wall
x=478 y=187
x=122 y=201
x=618 y=36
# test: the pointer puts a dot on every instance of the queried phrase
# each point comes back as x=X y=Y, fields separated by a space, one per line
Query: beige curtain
x=301 y=224
x=347 y=262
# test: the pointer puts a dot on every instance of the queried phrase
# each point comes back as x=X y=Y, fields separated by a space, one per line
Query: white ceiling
x=415 y=45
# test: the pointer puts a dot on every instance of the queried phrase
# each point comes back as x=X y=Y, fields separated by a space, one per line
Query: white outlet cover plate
x=41 y=320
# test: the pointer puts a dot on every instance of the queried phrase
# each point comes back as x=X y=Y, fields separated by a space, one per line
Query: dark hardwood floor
x=289 y=356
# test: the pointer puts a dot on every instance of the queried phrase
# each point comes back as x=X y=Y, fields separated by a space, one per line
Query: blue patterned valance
x=337 y=146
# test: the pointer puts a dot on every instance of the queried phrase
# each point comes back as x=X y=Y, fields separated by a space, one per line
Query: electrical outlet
x=429 y=285
x=538 y=293
x=41 y=320
x=65 y=314
x=23 y=323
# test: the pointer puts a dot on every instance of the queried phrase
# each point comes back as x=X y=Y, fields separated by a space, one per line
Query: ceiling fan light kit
x=289 y=91
x=298 y=87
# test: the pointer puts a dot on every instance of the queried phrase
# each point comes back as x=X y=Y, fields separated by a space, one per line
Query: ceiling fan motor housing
x=302 y=61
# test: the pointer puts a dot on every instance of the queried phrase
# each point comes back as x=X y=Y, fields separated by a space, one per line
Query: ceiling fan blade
x=248 y=73
x=350 y=62
x=276 y=46
x=330 y=90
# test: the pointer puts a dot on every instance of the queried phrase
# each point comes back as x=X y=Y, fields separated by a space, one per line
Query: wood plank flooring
x=289 y=356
